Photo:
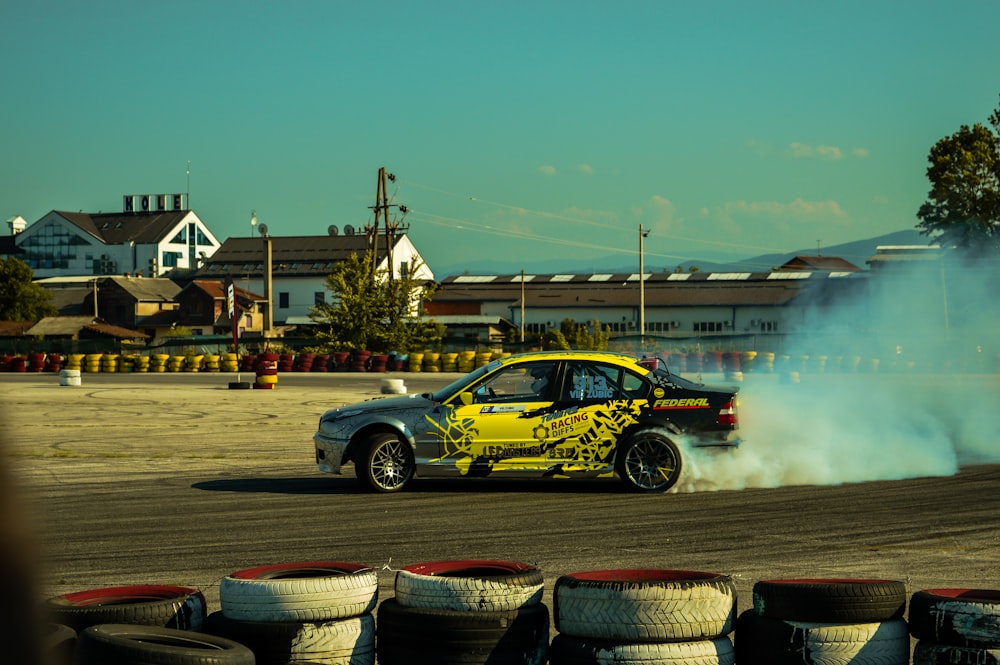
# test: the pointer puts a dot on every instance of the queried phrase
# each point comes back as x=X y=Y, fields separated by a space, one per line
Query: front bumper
x=329 y=453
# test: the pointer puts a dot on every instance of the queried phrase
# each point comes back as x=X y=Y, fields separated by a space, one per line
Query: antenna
x=188 y=194
x=263 y=230
x=348 y=230
x=332 y=230
x=253 y=221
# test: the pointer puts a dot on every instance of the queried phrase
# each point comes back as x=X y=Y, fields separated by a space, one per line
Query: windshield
x=470 y=378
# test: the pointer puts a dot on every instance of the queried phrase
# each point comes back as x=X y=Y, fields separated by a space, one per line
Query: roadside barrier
x=472 y=611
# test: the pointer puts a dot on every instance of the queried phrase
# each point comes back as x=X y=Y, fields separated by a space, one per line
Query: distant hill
x=857 y=252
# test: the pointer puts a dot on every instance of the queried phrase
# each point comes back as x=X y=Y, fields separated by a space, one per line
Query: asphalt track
x=175 y=479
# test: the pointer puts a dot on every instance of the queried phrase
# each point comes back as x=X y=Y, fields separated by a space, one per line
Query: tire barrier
x=960 y=626
x=432 y=361
x=825 y=621
x=466 y=611
x=488 y=611
x=416 y=362
x=266 y=368
x=300 y=612
x=177 y=607
x=70 y=377
x=643 y=616
x=359 y=362
x=378 y=362
x=58 y=643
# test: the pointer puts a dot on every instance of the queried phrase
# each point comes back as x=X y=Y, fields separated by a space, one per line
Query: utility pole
x=642 y=285
x=381 y=209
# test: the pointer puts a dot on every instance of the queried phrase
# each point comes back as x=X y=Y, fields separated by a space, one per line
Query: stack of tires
x=820 y=621
x=300 y=612
x=212 y=363
x=321 y=362
x=266 y=369
x=229 y=363
x=630 y=617
x=134 y=624
x=956 y=626
x=304 y=362
x=464 y=612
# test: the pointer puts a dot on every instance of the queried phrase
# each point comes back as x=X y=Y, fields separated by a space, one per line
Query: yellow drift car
x=557 y=414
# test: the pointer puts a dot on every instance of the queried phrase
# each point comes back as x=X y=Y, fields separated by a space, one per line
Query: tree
x=20 y=298
x=369 y=310
x=963 y=206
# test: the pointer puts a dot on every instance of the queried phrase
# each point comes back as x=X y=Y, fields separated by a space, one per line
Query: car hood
x=378 y=405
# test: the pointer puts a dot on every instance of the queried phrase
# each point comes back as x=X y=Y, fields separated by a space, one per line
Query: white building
x=145 y=237
x=300 y=265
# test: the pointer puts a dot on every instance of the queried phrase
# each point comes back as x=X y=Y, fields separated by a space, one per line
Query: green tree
x=20 y=298
x=369 y=310
x=963 y=206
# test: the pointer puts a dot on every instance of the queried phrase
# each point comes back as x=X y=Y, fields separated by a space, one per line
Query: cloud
x=547 y=170
x=797 y=209
x=826 y=152
x=586 y=169
x=861 y=153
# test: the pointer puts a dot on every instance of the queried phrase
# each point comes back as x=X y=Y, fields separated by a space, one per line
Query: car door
x=497 y=429
x=598 y=402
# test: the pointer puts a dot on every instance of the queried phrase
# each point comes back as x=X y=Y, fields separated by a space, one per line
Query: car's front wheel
x=648 y=461
x=386 y=463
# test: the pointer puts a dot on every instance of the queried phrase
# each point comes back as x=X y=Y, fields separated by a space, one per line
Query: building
x=203 y=308
x=148 y=238
x=300 y=264
x=671 y=305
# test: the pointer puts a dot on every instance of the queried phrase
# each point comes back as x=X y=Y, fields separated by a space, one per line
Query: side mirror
x=465 y=398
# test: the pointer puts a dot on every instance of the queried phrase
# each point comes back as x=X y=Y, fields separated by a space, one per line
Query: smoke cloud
x=911 y=388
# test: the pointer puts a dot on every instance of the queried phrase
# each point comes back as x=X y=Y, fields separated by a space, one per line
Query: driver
x=540 y=375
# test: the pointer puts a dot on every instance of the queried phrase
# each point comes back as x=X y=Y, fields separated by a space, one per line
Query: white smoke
x=925 y=403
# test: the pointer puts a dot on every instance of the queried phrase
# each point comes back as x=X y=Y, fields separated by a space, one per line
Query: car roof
x=606 y=356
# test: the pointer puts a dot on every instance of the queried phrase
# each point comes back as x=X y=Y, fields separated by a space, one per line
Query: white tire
x=348 y=641
x=645 y=605
x=759 y=639
x=316 y=591
x=472 y=585
x=567 y=650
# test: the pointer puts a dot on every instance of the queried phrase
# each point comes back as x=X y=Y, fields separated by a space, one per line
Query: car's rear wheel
x=648 y=461
x=386 y=464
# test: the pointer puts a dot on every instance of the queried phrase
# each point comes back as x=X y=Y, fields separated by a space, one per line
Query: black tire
x=645 y=605
x=124 y=644
x=956 y=617
x=781 y=642
x=342 y=642
x=648 y=461
x=386 y=463
x=830 y=600
x=470 y=585
x=566 y=650
x=58 y=644
x=417 y=636
x=929 y=653
x=177 y=607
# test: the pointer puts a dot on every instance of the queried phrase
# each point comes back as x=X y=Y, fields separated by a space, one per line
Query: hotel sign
x=153 y=202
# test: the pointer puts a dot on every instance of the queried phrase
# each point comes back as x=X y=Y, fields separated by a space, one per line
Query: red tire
x=176 y=607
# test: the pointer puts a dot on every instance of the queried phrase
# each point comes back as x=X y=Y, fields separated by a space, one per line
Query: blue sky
x=518 y=131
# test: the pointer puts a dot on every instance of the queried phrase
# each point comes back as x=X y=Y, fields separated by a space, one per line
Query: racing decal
x=690 y=403
x=562 y=423
x=503 y=408
x=607 y=422
x=456 y=435
x=587 y=386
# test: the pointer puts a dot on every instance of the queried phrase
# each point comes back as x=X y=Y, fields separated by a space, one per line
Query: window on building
x=283 y=300
x=708 y=326
x=319 y=297
x=769 y=326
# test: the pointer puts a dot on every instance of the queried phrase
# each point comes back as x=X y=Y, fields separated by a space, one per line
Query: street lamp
x=642 y=285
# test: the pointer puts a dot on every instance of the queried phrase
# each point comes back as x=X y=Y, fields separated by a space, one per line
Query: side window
x=592 y=381
x=634 y=386
x=520 y=383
